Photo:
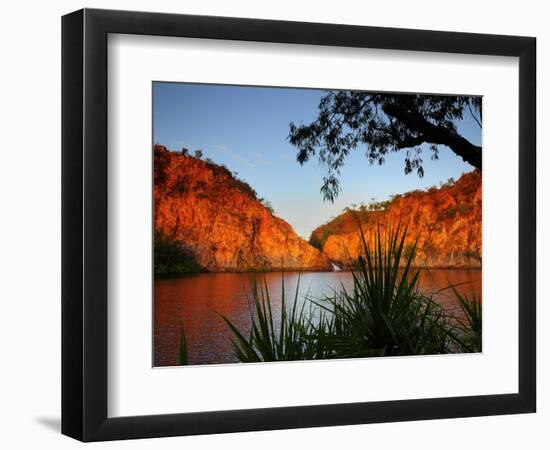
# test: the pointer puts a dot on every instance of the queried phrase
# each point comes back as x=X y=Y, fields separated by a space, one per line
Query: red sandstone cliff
x=218 y=220
x=447 y=221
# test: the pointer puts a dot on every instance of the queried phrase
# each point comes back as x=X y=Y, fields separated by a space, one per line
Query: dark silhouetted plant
x=467 y=331
x=384 y=314
x=183 y=356
x=289 y=338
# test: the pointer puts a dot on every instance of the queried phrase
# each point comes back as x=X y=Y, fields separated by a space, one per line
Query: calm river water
x=197 y=301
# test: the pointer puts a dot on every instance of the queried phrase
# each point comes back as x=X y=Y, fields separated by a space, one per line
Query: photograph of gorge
x=302 y=224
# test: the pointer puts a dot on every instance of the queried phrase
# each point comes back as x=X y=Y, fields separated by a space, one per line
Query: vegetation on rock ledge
x=172 y=258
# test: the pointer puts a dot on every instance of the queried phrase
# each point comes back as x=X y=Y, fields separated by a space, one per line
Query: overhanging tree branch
x=384 y=123
x=436 y=135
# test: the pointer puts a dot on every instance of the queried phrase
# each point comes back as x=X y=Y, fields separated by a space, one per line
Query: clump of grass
x=384 y=314
x=292 y=338
x=467 y=332
x=183 y=355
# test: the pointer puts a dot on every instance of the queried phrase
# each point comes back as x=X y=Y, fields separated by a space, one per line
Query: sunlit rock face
x=219 y=220
x=446 y=221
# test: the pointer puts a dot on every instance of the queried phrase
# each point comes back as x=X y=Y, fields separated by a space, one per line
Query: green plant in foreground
x=467 y=332
x=289 y=338
x=183 y=356
x=384 y=314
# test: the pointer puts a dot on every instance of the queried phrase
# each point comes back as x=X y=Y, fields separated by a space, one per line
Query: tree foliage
x=172 y=258
x=384 y=123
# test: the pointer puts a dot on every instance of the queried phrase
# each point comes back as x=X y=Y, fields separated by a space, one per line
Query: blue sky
x=246 y=129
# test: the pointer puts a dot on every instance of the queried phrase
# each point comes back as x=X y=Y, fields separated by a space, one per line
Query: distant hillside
x=446 y=219
x=205 y=218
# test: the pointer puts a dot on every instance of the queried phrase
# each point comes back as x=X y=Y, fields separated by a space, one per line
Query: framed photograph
x=273 y=224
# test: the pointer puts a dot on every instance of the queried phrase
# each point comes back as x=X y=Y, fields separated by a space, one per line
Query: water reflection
x=198 y=301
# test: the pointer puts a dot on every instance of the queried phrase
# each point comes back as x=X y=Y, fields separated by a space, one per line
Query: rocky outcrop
x=218 y=219
x=446 y=220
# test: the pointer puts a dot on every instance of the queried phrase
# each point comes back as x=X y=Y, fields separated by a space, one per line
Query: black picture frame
x=84 y=224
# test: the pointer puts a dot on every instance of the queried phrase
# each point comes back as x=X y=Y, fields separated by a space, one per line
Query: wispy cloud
x=261 y=160
x=257 y=159
x=233 y=155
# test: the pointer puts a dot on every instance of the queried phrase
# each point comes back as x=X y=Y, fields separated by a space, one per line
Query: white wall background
x=30 y=226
